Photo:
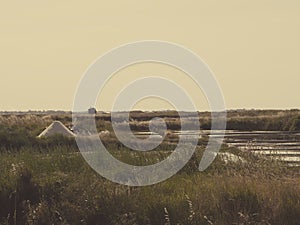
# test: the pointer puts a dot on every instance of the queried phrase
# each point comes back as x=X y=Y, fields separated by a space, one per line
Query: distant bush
x=295 y=124
x=15 y=138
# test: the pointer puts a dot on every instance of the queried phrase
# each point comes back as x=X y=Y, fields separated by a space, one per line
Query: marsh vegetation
x=46 y=180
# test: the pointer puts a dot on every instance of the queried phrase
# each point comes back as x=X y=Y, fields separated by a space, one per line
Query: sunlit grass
x=47 y=181
x=61 y=183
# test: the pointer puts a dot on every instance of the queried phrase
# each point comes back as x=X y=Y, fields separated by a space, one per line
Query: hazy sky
x=252 y=46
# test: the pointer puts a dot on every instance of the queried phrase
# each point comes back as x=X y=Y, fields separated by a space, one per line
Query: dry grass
x=50 y=183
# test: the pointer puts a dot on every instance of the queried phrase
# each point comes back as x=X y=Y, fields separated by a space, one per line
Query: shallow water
x=283 y=146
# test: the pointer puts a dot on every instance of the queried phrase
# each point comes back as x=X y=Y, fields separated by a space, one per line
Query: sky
x=252 y=47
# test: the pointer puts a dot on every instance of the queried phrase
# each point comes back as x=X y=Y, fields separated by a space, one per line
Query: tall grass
x=46 y=181
x=58 y=187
